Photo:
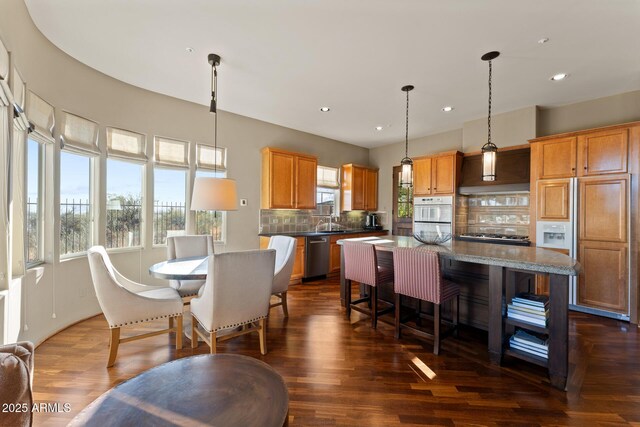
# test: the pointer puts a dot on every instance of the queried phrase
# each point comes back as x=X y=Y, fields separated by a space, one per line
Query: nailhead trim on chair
x=235 y=325
x=146 y=320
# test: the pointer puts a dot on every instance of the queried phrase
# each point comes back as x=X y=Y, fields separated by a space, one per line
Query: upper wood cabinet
x=553 y=200
x=603 y=152
x=359 y=188
x=436 y=175
x=557 y=158
x=587 y=154
x=288 y=180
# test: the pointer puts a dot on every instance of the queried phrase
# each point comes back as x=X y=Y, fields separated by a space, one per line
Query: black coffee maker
x=372 y=222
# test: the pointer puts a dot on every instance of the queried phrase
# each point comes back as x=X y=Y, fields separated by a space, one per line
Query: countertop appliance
x=372 y=222
x=503 y=239
x=316 y=256
x=432 y=214
x=564 y=235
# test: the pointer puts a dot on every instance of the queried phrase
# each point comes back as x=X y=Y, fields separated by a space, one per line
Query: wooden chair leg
x=194 y=334
x=114 y=342
x=170 y=322
x=373 y=290
x=436 y=329
x=213 y=340
x=178 y=332
x=285 y=310
x=347 y=297
x=263 y=336
x=397 y=322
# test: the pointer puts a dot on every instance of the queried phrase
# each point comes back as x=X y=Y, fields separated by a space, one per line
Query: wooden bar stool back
x=417 y=275
x=361 y=264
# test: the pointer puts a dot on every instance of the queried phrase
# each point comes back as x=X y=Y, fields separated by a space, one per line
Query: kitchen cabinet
x=359 y=188
x=603 y=281
x=298 y=265
x=603 y=152
x=592 y=153
x=436 y=175
x=288 y=180
x=603 y=208
x=553 y=200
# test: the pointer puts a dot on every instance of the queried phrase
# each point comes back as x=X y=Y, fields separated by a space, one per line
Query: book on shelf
x=531 y=340
x=538 y=321
x=532 y=299
x=526 y=306
x=525 y=310
x=528 y=350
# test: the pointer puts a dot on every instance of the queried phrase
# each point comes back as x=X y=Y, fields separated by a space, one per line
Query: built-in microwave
x=433 y=209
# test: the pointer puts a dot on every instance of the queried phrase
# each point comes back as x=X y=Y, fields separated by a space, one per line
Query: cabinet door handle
x=585 y=168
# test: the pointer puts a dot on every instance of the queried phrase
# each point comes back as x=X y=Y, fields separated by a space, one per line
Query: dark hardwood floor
x=344 y=373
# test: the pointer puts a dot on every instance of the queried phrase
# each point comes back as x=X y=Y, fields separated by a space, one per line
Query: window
x=124 y=204
x=169 y=204
x=405 y=202
x=210 y=222
x=34 y=201
x=327 y=191
x=75 y=203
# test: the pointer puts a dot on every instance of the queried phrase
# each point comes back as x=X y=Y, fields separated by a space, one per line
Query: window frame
x=143 y=171
x=156 y=167
x=90 y=198
x=41 y=200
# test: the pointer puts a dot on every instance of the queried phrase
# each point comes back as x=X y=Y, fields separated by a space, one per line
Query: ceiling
x=284 y=59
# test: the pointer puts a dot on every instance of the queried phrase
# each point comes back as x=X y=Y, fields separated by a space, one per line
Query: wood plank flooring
x=344 y=373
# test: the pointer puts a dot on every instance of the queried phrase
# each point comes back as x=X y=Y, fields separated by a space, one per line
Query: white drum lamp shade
x=214 y=194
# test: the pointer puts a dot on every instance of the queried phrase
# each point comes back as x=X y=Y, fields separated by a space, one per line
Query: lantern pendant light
x=489 y=149
x=405 y=178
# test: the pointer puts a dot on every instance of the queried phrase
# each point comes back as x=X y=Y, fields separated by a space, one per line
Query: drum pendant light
x=489 y=149
x=406 y=174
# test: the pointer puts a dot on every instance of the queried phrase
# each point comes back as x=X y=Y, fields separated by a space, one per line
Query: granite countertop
x=322 y=233
x=520 y=257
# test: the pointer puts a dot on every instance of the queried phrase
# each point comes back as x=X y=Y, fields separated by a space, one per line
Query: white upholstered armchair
x=125 y=302
x=186 y=247
x=236 y=293
x=285 y=247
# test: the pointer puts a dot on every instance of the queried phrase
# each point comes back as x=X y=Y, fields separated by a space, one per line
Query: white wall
x=61 y=293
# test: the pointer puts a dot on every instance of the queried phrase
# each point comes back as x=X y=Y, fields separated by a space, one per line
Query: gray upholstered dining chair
x=125 y=302
x=236 y=293
x=186 y=247
x=16 y=378
x=285 y=247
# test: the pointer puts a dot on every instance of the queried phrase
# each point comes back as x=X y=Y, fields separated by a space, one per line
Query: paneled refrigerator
x=588 y=218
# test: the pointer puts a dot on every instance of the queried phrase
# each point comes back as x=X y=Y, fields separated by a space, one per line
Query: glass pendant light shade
x=489 y=151
x=406 y=173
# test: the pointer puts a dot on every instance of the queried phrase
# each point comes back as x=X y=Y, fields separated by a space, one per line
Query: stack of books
x=530 y=308
x=530 y=343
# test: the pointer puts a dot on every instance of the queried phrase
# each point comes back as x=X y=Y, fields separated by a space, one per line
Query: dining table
x=191 y=268
x=503 y=262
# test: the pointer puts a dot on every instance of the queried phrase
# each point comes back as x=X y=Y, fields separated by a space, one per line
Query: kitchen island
x=504 y=262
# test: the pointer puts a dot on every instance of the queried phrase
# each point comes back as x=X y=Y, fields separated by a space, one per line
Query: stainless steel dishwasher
x=316 y=256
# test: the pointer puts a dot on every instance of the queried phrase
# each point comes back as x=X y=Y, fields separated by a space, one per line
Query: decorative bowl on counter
x=432 y=237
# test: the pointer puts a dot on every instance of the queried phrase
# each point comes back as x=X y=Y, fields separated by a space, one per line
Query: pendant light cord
x=489 y=116
x=406 y=130
x=214 y=92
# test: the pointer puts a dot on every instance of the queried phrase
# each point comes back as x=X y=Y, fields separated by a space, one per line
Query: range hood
x=512 y=173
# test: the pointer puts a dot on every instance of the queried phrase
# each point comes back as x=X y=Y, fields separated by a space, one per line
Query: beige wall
x=62 y=292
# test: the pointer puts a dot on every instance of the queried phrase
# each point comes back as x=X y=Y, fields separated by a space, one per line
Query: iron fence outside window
x=33 y=231
x=123 y=225
x=168 y=220
x=75 y=226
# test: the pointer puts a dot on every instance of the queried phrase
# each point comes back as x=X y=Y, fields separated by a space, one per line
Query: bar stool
x=361 y=264
x=417 y=275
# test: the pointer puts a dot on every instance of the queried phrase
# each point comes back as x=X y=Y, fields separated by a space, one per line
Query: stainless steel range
x=504 y=239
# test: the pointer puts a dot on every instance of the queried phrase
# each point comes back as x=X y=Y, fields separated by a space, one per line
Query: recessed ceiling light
x=189 y=50
x=543 y=40
x=559 y=76
x=447 y=109
x=325 y=109
x=379 y=128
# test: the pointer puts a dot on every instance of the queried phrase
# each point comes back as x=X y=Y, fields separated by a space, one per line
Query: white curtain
x=79 y=134
x=171 y=152
x=126 y=145
x=208 y=157
x=5 y=197
x=18 y=207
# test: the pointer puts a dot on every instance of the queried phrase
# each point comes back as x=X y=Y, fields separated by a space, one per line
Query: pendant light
x=489 y=149
x=405 y=178
x=213 y=193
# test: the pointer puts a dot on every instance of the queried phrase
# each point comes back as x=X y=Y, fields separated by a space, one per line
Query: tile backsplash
x=493 y=213
x=291 y=221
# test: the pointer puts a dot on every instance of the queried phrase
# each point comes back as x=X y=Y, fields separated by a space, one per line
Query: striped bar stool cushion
x=361 y=264
x=417 y=274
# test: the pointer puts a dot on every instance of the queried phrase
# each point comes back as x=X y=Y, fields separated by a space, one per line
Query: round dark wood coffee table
x=219 y=390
